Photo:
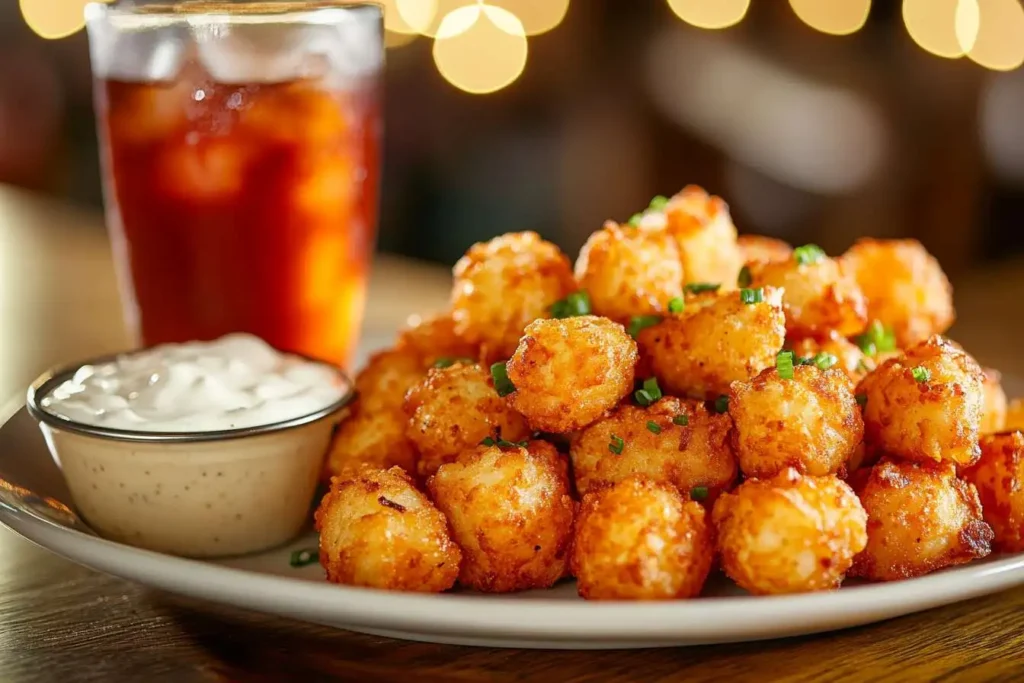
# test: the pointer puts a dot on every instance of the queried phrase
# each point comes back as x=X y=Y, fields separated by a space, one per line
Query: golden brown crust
x=921 y=518
x=373 y=439
x=570 y=372
x=382 y=384
x=511 y=513
x=641 y=540
x=810 y=422
x=763 y=248
x=851 y=360
x=999 y=479
x=434 y=338
x=705 y=235
x=993 y=411
x=698 y=453
x=932 y=420
x=377 y=530
x=707 y=348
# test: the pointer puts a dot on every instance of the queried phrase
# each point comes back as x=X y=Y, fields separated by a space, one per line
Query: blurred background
x=817 y=120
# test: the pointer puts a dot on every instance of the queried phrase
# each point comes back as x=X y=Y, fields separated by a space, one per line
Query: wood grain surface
x=61 y=622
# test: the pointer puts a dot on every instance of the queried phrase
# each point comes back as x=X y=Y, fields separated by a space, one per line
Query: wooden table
x=61 y=622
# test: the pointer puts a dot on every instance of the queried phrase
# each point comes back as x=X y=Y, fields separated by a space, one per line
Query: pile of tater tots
x=682 y=401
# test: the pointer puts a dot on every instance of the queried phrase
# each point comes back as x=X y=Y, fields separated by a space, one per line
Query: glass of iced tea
x=240 y=152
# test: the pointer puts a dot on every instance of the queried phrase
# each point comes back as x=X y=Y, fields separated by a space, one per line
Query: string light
x=999 y=35
x=52 y=19
x=932 y=24
x=710 y=13
x=836 y=17
x=480 y=48
x=538 y=16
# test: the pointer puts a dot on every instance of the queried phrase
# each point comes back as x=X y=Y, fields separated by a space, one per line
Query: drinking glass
x=240 y=156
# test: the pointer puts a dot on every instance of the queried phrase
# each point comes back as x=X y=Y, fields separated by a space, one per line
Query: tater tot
x=502 y=285
x=434 y=339
x=641 y=540
x=999 y=478
x=905 y=287
x=993 y=411
x=820 y=295
x=809 y=422
x=382 y=384
x=568 y=373
x=378 y=531
x=1014 y=415
x=789 y=534
x=921 y=518
x=672 y=441
x=850 y=359
x=763 y=248
x=706 y=236
x=372 y=439
x=925 y=405
x=700 y=353
x=452 y=410
x=629 y=271
x=511 y=514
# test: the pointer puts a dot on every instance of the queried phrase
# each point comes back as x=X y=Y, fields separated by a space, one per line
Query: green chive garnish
x=448 y=362
x=681 y=420
x=306 y=556
x=698 y=287
x=825 y=360
x=635 y=219
x=488 y=441
x=745 y=278
x=784 y=364
x=862 y=366
x=576 y=304
x=807 y=254
x=502 y=384
x=722 y=404
x=641 y=322
x=752 y=296
x=698 y=493
x=676 y=305
x=616 y=445
x=861 y=399
x=653 y=427
x=877 y=338
x=921 y=374
x=649 y=393
x=658 y=203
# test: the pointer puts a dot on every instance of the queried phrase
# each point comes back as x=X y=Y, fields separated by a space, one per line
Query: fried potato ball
x=452 y=410
x=370 y=439
x=926 y=405
x=641 y=540
x=905 y=287
x=921 y=517
x=629 y=271
x=763 y=248
x=1014 y=415
x=993 y=411
x=378 y=531
x=809 y=422
x=999 y=478
x=672 y=441
x=789 y=534
x=820 y=296
x=700 y=353
x=502 y=285
x=568 y=373
x=434 y=339
x=706 y=236
x=850 y=359
x=511 y=514
x=382 y=384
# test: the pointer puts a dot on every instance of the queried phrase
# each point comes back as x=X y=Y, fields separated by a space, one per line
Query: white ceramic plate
x=33 y=502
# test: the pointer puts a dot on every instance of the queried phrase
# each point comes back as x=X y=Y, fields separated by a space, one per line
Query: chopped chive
x=616 y=445
x=862 y=399
x=825 y=360
x=576 y=304
x=802 y=360
x=635 y=219
x=784 y=364
x=502 y=384
x=744 y=278
x=877 y=338
x=862 y=366
x=722 y=404
x=752 y=296
x=502 y=443
x=306 y=556
x=698 y=287
x=448 y=362
x=659 y=203
x=488 y=441
x=698 y=493
x=681 y=420
x=676 y=305
x=641 y=322
x=649 y=393
x=653 y=427
x=921 y=374
x=807 y=254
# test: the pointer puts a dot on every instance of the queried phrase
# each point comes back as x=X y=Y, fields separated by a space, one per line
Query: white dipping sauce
x=234 y=382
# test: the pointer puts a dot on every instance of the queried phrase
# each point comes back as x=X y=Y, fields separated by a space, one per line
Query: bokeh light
x=1000 y=35
x=710 y=13
x=836 y=17
x=426 y=22
x=932 y=24
x=480 y=48
x=393 y=39
x=538 y=16
x=968 y=18
x=396 y=11
x=53 y=19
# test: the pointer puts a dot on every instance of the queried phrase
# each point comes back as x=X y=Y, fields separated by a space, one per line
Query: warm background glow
x=480 y=48
x=416 y=14
x=54 y=18
x=710 y=13
x=537 y=16
x=1000 y=35
x=932 y=24
x=837 y=17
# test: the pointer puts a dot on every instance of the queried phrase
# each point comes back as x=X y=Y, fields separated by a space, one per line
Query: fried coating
x=452 y=410
x=706 y=236
x=700 y=353
x=921 y=518
x=789 y=534
x=933 y=416
x=656 y=446
x=370 y=439
x=378 y=531
x=763 y=248
x=1014 y=415
x=434 y=338
x=641 y=540
x=503 y=285
x=999 y=478
x=819 y=297
x=629 y=271
x=511 y=514
x=905 y=287
x=993 y=411
x=851 y=360
x=809 y=423
x=382 y=384
x=570 y=372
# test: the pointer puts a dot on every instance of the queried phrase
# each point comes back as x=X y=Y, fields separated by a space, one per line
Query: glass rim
x=159 y=14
